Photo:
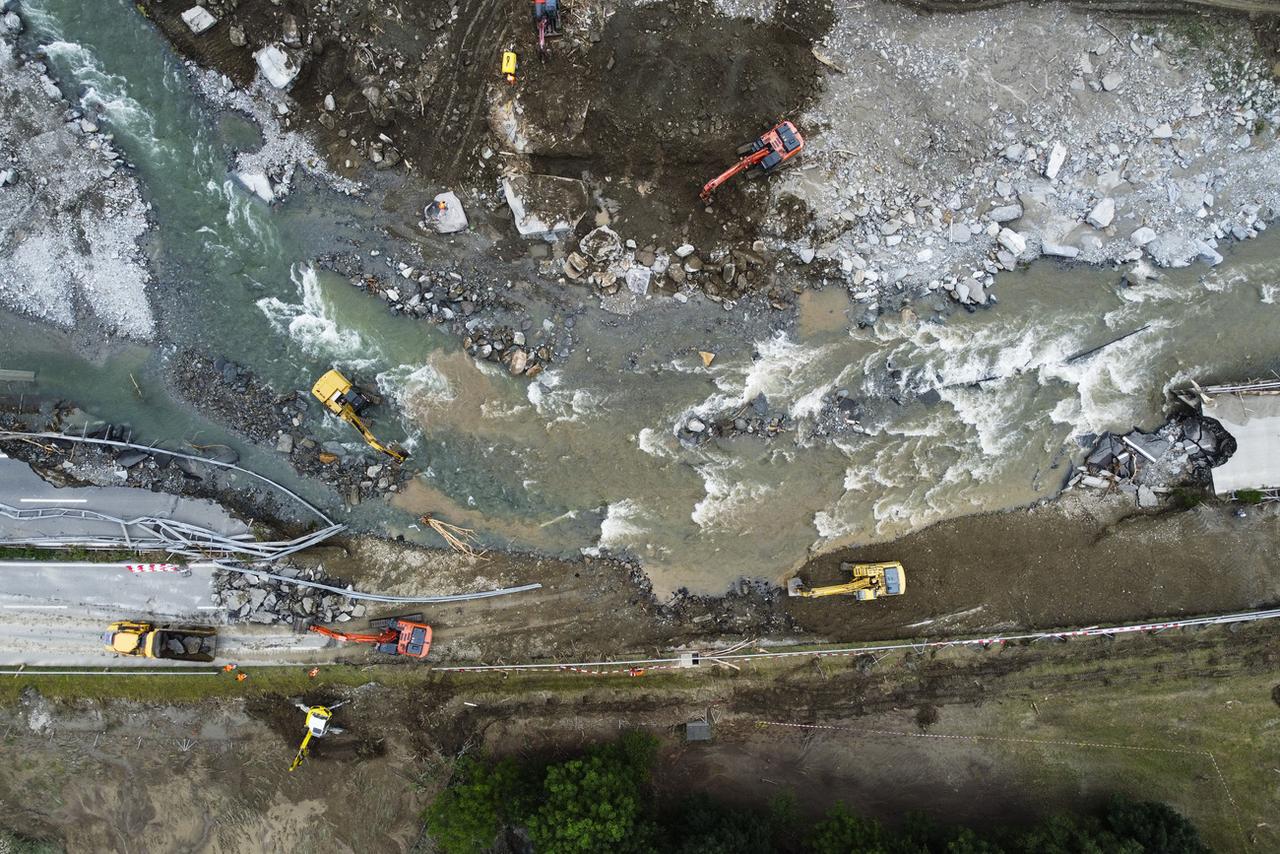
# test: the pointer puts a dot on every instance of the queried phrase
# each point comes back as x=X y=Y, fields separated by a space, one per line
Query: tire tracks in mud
x=467 y=84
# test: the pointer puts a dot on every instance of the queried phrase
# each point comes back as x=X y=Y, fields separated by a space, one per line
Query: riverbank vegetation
x=603 y=800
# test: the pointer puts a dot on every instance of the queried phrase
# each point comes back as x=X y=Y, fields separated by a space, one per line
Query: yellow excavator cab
x=867 y=581
x=340 y=396
x=331 y=390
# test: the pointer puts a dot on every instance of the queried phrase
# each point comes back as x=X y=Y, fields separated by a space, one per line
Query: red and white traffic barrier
x=137 y=568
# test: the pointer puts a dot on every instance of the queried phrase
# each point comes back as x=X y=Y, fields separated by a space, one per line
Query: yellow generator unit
x=344 y=400
x=868 y=581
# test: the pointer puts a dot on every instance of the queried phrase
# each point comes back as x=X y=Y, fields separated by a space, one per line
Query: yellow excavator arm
x=868 y=581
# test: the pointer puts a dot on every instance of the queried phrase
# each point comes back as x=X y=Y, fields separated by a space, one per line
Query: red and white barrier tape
x=137 y=568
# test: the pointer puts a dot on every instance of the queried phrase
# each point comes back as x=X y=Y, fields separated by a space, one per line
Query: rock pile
x=604 y=260
x=253 y=598
x=1129 y=144
x=750 y=419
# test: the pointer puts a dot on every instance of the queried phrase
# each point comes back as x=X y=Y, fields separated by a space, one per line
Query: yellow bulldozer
x=867 y=581
x=340 y=396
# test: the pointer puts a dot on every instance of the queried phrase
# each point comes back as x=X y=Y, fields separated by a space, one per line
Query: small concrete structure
x=697 y=731
x=277 y=65
x=446 y=215
x=1251 y=414
x=545 y=207
x=198 y=19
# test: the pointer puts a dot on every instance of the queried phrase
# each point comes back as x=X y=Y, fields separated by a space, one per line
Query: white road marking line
x=53 y=501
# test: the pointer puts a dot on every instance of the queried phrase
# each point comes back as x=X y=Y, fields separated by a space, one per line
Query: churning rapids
x=588 y=456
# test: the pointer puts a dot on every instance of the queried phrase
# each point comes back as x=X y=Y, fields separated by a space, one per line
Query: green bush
x=598 y=803
x=467 y=817
x=1156 y=827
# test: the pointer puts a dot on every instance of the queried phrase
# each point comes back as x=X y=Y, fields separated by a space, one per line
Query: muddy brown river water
x=589 y=456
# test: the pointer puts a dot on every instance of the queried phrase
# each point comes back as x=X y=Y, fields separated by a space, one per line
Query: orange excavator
x=765 y=154
x=407 y=636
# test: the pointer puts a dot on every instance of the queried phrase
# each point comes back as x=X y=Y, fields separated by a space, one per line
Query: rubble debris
x=1180 y=453
x=255 y=598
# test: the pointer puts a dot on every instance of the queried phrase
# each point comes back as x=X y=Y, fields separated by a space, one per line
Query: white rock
x=805 y=254
x=1005 y=213
x=11 y=23
x=329 y=103
x=1057 y=157
x=1012 y=240
x=684 y=250
x=258 y=184
x=1209 y=255
x=198 y=19
x=277 y=66
x=1058 y=250
x=1015 y=152
x=1102 y=214
x=449 y=219
x=1142 y=236
x=638 y=278
x=1162 y=131
x=1111 y=81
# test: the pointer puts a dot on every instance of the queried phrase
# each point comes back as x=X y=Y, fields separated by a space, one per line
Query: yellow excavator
x=344 y=400
x=868 y=581
x=318 y=725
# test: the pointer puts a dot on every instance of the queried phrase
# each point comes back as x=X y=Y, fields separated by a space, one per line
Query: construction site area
x=874 y=405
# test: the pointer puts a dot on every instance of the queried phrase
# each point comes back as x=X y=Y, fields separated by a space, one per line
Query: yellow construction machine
x=868 y=581
x=318 y=725
x=344 y=400
x=143 y=640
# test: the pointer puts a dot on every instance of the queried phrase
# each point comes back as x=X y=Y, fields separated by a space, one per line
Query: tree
x=466 y=817
x=1065 y=835
x=1155 y=826
x=842 y=832
x=598 y=803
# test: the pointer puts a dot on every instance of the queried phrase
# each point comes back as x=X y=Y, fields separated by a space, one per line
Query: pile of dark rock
x=751 y=604
x=234 y=396
x=751 y=419
x=1179 y=453
x=510 y=348
x=255 y=598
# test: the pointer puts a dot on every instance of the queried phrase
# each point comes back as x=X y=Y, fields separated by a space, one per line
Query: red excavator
x=766 y=153
x=407 y=636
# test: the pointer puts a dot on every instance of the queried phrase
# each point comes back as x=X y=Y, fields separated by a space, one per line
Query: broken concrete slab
x=277 y=65
x=446 y=215
x=545 y=207
x=198 y=19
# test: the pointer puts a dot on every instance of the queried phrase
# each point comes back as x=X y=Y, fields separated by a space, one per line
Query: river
x=587 y=456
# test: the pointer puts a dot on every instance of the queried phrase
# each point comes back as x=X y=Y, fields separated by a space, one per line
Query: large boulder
x=445 y=214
